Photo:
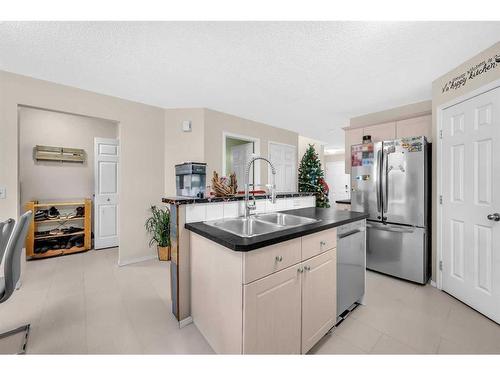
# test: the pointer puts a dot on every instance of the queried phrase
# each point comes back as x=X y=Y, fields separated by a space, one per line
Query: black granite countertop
x=343 y=201
x=237 y=197
x=329 y=218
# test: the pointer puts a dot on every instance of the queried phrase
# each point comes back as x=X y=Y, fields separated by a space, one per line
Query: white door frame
x=295 y=164
x=241 y=137
x=439 y=122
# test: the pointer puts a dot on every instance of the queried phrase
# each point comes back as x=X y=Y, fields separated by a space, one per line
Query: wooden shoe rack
x=53 y=223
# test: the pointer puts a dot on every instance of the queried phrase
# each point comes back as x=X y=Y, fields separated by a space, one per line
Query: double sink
x=256 y=225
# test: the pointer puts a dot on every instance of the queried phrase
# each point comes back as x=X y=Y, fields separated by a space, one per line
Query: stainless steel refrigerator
x=390 y=182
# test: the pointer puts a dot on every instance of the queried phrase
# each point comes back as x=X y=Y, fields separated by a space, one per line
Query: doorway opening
x=57 y=179
x=237 y=151
x=338 y=181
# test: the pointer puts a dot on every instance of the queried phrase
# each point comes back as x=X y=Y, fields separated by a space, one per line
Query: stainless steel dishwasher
x=351 y=264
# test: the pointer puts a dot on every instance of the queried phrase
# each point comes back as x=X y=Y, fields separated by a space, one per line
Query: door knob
x=494 y=217
x=108 y=199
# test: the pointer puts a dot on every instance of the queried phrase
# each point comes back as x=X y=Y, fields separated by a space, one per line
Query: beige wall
x=52 y=180
x=335 y=157
x=141 y=134
x=217 y=122
x=304 y=143
x=182 y=146
x=393 y=114
x=440 y=97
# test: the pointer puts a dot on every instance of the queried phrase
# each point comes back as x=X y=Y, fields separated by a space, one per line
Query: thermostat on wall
x=186 y=126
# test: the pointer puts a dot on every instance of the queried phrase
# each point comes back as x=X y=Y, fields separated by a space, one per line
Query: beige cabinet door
x=271 y=313
x=352 y=137
x=319 y=298
x=414 y=127
x=381 y=132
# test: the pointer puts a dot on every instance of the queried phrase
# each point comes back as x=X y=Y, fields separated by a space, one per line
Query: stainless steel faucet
x=251 y=206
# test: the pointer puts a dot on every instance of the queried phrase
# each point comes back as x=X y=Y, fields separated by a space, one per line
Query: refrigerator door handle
x=379 y=182
x=385 y=187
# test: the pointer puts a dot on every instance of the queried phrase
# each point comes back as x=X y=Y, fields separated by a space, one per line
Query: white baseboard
x=185 y=322
x=136 y=260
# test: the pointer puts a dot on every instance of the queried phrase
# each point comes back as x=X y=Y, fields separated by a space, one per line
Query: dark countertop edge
x=343 y=201
x=217 y=235
x=188 y=200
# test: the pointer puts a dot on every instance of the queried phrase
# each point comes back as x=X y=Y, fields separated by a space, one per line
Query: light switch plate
x=3 y=192
x=186 y=126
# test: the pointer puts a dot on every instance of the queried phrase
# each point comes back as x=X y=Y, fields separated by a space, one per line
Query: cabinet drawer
x=317 y=243
x=265 y=261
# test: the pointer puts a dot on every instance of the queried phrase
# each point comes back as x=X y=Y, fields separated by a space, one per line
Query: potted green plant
x=158 y=226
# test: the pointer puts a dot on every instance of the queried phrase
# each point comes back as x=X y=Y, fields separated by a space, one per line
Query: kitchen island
x=189 y=210
x=271 y=293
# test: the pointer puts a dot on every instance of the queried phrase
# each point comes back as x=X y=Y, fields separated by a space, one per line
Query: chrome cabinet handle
x=300 y=270
x=278 y=258
x=494 y=217
x=322 y=243
x=350 y=233
x=307 y=268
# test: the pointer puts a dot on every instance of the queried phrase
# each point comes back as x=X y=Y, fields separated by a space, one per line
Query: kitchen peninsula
x=273 y=292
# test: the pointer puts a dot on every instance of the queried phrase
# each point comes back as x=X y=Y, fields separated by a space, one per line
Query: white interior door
x=470 y=175
x=240 y=155
x=284 y=159
x=338 y=181
x=106 y=158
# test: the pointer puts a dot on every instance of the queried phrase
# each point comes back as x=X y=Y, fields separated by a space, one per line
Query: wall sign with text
x=474 y=71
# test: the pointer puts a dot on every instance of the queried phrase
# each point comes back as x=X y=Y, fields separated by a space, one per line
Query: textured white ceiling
x=310 y=77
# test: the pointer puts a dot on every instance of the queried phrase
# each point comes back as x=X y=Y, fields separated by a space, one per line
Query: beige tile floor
x=85 y=303
x=404 y=318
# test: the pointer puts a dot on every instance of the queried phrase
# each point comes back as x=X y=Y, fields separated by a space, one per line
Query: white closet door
x=106 y=158
x=284 y=159
x=240 y=155
x=471 y=177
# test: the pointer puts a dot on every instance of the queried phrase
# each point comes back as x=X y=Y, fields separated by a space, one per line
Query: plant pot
x=163 y=253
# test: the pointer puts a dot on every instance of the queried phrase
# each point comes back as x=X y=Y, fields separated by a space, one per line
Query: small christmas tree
x=311 y=177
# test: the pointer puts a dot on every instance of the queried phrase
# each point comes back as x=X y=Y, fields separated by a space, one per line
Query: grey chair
x=11 y=263
x=6 y=228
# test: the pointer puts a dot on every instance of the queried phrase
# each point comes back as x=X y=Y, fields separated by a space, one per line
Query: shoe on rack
x=38 y=247
x=41 y=215
x=54 y=213
x=42 y=233
x=80 y=211
x=72 y=230
x=77 y=240
x=42 y=247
